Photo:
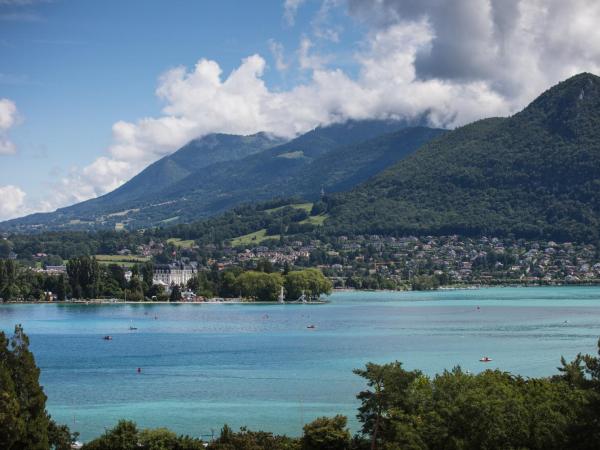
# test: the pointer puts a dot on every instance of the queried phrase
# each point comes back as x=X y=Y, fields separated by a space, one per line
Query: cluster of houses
x=484 y=260
x=472 y=260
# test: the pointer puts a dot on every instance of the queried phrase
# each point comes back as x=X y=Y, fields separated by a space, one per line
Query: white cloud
x=12 y=204
x=450 y=63
x=290 y=8
x=517 y=48
x=8 y=118
x=277 y=52
x=308 y=60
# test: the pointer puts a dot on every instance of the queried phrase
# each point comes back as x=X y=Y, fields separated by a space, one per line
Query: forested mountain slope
x=217 y=172
x=535 y=174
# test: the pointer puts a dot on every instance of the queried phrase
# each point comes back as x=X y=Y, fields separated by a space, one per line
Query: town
x=380 y=262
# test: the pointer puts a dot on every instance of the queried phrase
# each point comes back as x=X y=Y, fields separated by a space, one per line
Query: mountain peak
x=568 y=107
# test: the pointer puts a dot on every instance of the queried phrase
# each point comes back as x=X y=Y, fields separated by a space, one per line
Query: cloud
x=308 y=60
x=290 y=8
x=277 y=52
x=8 y=119
x=21 y=17
x=516 y=47
x=449 y=64
x=12 y=204
x=323 y=27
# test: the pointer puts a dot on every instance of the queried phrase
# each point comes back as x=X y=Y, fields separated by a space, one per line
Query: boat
x=485 y=359
x=132 y=327
x=311 y=327
x=107 y=338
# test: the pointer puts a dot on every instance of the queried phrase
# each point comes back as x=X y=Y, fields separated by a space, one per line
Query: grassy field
x=316 y=220
x=305 y=206
x=122 y=260
x=292 y=155
x=181 y=243
x=170 y=219
x=253 y=238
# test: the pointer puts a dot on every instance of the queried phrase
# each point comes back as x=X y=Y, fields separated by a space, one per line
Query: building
x=56 y=269
x=175 y=273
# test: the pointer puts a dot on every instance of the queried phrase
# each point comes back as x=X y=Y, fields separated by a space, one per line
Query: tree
x=310 y=282
x=124 y=436
x=389 y=385
x=61 y=288
x=252 y=440
x=326 y=433
x=59 y=436
x=175 y=294
x=24 y=422
x=84 y=277
x=157 y=439
x=259 y=285
x=147 y=275
x=12 y=423
x=33 y=400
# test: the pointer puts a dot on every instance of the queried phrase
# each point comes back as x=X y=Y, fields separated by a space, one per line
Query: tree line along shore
x=86 y=279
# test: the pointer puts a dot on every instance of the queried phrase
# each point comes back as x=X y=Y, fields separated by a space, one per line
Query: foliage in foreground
x=400 y=409
x=24 y=422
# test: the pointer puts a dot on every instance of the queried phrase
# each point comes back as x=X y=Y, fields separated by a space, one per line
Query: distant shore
x=317 y=302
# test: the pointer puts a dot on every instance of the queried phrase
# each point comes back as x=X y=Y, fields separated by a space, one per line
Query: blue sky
x=71 y=70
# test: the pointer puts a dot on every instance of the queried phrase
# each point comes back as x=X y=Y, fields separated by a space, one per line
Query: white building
x=175 y=273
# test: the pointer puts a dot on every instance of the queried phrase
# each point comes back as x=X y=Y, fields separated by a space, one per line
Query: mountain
x=196 y=155
x=217 y=172
x=535 y=174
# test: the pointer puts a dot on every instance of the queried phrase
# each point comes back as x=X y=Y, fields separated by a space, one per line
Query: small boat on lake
x=311 y=327
x=486 y=359
x=107 y=338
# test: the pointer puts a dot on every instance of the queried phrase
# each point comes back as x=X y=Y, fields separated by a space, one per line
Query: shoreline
x=317 y=302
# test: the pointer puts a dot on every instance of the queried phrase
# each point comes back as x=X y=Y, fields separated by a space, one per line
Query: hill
x=535 y=174
x=217 y=172
x=196 y=155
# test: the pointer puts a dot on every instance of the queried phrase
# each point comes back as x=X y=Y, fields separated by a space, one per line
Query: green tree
x=32 y=398
x=389 y=386
x=24 y=422
x=259 y=285
x=310 y=282
x=252 y=440
x=124 y=436
x=175 y=294
x=326 y=433
x=84 y=277
x=12 y=422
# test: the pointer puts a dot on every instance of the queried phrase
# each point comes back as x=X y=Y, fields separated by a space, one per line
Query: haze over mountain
x=535 y=174
x=216 y=172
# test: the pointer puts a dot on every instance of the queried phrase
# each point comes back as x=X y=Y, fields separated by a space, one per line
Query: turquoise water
x=258 y=365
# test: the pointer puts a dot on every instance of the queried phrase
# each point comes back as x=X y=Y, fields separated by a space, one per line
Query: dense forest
x=533 y=175
x=399 y=409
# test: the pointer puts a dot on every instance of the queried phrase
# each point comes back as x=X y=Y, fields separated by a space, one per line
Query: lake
x=203 y=365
